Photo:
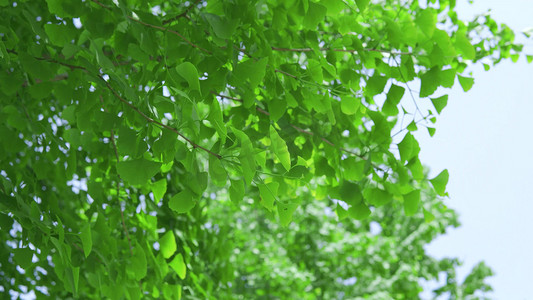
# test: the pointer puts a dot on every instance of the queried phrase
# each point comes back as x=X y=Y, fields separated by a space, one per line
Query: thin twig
x=339 y=50
x=147 y=118
x=158 y=27
x=171 y=31
x=183 y=14
x=132 y=106
x=310 y=133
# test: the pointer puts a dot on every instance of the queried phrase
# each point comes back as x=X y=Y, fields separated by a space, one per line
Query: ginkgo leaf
x=440 y=181
x=440 y=102
x=178 y=265
x=216 y=118
x=137 y=171
x=246 y=156
x=359 y=211
x=410 y=202
x=408 y=147
x=190 y=74
x=236 y=191
x=167 y=244
x=279 y=147
x=159 y=188
x=268 y=194
x=86 y=239
x=217 y=172
x=182 y=202
x=466 y=82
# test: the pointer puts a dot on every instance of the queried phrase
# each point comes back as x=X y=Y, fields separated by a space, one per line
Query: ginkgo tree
x=234 y=149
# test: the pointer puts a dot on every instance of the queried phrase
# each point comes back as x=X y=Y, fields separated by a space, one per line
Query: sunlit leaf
x=439 y=183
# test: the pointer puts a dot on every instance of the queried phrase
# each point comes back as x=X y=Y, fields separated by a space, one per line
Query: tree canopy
x=229 y=149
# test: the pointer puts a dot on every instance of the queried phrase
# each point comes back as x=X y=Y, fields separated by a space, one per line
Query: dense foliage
x=228 y=149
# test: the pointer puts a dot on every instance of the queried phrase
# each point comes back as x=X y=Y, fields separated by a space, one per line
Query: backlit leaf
x=410 y=202
x=439 y=183
x=182 y=202
x=268 y=194
x=178 y=265
x=159 y=188
x=440 y=102
x=246 y=157
x=466 y=82
x=359 y=211
x=236 y=191
x=279 y=147
x=167 y=244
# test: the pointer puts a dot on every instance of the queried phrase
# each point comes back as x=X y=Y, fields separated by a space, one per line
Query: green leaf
x=86 y=239
x=439 y=183
x=464 y=46
x=277 y=108
x=279 y=147
x=426 y=21
x=362 y=4
x=410 y=202
x=354 y=169
x=377 y=197
x=216 y=119
x=23 y=257
x=428 y=216
x=429 y=82
x=440 y=102
x=182 y=202
x=334 y=6
x=350 y=105
x=222 y=27
x=217 y=172
x=466 y=82
x=375 y=85
x=59 y=35
x=359 y=211
x=236 y=191
x=137 y=171
x=178 y=265
x=350 y=193
x=268 y=194
x=314 y=15
x=394 y=95
x=285 y=211
x=188 y=72
x=167 y=244
x=408 y=147
x=159 y=188
x=138 y=265
x=246 y=157
x=250 y=70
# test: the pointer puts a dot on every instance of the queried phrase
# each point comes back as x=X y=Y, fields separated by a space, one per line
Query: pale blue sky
x=484 y=139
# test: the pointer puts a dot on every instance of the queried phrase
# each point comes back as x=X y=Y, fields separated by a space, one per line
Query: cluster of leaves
x=154 y=148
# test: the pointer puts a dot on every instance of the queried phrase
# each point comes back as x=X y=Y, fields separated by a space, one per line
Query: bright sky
x=484 y=139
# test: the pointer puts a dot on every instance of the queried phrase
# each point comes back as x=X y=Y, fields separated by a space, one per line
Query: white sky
x=484 y=139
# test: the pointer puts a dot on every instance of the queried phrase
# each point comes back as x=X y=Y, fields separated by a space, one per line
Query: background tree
x=163 y=149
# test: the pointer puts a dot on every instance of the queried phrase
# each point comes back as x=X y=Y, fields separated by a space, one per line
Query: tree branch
x=339 y=50
x=157 y=27
x=115 y=93
x=183 y=14
x=147 y=118
x=310 y=133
